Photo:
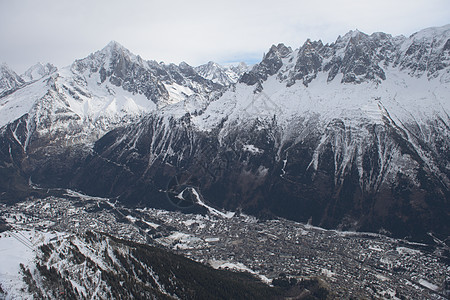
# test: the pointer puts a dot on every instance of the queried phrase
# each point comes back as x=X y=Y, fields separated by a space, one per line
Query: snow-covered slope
x=18 y=248
x=348 y=110
x=69 y=108
x=357 y=57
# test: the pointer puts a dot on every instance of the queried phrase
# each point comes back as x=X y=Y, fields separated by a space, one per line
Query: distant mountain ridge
x=353 y=134
x=38 y=71
x=222 y=75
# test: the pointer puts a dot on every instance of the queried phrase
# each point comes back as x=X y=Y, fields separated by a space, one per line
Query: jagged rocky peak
x=359 y=57
x=159 y=82
x=214 y=72
x=308 y=64
x=209 y=67
x=112 y=58
x=186 y=69
x=223 y=75
x=387 y=46
x=438 y=35
x=115 y=51
x=114 y=47
x=280 y=50
x=359 y=62
x=270 y=65
x=354 y=36
x=38 y=71
x=212 y=64
x=9 y=80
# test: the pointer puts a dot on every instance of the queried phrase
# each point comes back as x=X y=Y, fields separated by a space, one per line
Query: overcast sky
x=195 y=31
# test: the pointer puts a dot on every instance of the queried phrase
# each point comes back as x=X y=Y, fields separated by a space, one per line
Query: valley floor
x=360 y=265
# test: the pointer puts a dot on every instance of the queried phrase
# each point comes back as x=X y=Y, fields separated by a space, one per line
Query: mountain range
x=348 y=135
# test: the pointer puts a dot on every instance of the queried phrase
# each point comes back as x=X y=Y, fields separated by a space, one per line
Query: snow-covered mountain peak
x=382 y=36
x=355 y=68
x=280 y=51
x=114 y=46
x=38 y=71
x=435 y=37
x=352 y=34
x=212 y=64
x=223 y=75
x=432 y=32
x=9 y=80
x=115 y=50
x=426 y=52
x=270 y=65
x=309 y=44
x=162 y=84
x=95 y=94
x=187 y=70
x=5 y=69
x=184 y=65
x=358 y=57
x=112 y=55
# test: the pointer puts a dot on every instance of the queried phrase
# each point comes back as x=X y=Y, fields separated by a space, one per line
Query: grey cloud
x=195 y=31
